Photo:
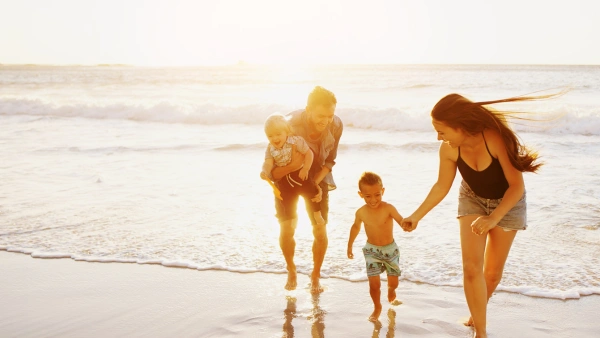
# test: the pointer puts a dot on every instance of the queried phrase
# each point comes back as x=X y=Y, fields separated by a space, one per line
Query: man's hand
x=318 y=196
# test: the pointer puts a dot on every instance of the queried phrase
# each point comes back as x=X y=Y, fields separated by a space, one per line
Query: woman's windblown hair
x=456 y=111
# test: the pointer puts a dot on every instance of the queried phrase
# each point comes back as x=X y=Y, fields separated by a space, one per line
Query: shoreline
x=68 y=298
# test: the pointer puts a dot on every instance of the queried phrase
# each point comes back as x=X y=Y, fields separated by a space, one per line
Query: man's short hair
x=321 y=97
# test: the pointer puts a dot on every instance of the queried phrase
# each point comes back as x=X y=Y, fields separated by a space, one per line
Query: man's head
x=320 y=108
x=371 y=189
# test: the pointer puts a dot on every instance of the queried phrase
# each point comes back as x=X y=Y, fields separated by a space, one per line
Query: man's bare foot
x=315 y=284
x=469 y=322
x=291 y=280
x=375 y=315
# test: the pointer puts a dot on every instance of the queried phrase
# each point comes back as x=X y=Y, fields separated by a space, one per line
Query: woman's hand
x=483 y=224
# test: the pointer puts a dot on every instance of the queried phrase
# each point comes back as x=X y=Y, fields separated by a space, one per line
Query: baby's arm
x=265 y=174
x=308 y=160
x=354 y=230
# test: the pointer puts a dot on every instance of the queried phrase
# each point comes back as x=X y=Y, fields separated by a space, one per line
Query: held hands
x=482 y=225
x=303 y=174
x=409 y=223
x=318 y=196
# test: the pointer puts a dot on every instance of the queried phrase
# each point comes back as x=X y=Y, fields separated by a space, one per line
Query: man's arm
x=330 y=160
x=295 y=164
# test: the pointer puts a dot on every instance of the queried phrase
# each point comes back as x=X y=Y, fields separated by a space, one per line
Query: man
x=322 y=130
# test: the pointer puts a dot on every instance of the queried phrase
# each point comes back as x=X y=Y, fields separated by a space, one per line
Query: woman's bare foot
x=291 y=280
x=469 y=322
x=375 y=315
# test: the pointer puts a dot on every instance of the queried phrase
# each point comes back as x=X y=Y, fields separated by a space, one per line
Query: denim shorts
x=471 y=204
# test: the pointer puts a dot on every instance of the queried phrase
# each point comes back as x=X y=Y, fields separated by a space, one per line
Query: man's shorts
x=380 y=258
x=471 y=204
x=287 y=209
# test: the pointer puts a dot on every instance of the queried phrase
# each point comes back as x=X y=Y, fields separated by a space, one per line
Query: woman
x=491 y=204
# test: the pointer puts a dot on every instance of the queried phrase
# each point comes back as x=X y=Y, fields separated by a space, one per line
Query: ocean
x=161 y=166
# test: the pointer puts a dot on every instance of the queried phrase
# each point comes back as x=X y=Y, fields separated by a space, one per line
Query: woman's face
x=454 y=137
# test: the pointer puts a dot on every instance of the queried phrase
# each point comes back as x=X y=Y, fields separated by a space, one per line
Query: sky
x=200 y=32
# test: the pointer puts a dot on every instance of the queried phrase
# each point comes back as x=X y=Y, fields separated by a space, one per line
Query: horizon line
x=243 y=63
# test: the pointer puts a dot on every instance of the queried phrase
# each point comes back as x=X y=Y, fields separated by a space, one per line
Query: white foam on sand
x=66 y=298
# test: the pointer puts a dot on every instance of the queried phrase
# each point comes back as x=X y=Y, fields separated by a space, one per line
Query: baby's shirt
x=283 y=156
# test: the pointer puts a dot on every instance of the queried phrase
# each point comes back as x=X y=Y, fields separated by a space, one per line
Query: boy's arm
x=396 y=216
x=354 y=230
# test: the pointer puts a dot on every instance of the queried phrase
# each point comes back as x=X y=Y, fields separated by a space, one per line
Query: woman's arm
x=516 y=185
x=446 y=174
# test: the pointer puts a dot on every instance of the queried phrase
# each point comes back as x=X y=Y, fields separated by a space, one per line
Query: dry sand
x=66 y=298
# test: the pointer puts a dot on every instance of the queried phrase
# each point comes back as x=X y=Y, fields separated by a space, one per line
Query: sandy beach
x=67 y=298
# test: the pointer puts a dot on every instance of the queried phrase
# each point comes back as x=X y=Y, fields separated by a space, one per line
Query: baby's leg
x=392 y=286
x=375 y=291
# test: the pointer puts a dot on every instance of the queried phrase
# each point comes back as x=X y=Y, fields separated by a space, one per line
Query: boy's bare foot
x=392 y=297
x=469 y=322
x=315 y=284
x=395 y=302
x=291 y=280
x=375 y=315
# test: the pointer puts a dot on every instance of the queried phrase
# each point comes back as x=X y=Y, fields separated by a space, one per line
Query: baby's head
x=370 y=188
x=277 y=130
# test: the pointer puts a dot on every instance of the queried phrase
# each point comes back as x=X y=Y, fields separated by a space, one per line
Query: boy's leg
x=392 y=286
x=375 y=292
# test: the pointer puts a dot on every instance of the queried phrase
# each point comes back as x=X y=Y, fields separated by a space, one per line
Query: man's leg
x=288 y=219
x=287 y=243
x=320 y=242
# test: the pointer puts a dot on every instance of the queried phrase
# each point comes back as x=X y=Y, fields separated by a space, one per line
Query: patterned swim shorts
x=380 y=258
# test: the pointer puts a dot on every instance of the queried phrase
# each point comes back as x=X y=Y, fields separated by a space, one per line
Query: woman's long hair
x=456 y=111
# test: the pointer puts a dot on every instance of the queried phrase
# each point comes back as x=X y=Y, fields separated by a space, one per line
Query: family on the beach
x=491 y=206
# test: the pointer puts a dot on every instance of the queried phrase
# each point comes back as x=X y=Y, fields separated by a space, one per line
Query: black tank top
x=488 y=183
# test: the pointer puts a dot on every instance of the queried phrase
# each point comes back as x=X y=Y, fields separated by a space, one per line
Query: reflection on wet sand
x=316 y=317
x=289 y=313
x=391 y=325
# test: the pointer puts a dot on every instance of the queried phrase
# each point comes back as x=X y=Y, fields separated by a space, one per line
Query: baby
x=282 y=144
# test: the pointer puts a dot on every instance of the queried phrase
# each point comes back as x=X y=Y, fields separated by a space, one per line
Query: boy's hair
x=369 y=178
x=321 y=97
x=278 y=122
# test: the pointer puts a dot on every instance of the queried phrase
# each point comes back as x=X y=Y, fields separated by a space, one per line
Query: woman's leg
x=473 y=248
x=498 y=246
